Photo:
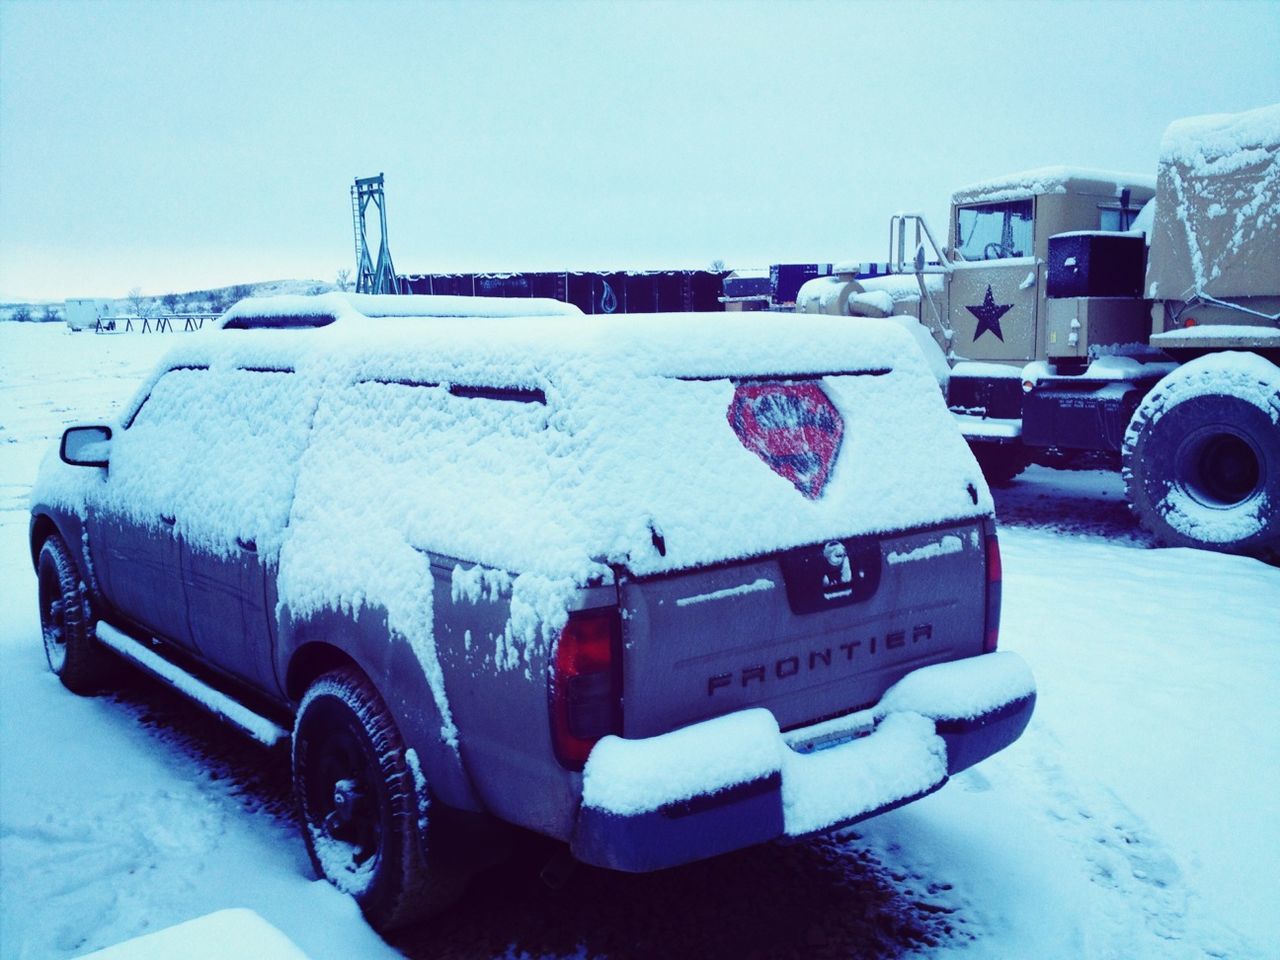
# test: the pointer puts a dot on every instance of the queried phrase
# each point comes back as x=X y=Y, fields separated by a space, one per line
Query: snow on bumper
x=736 y=780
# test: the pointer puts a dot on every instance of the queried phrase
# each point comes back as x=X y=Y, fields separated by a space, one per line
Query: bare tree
x=240 y=291
x=170 y=301
x=717 y=266
x=142 y=306
x=51 y=314
x=217 y=301
x=21 y=313
x=343 y=279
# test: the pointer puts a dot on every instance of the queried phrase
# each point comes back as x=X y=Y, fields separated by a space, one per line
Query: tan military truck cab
x=1070 y=310
x=999 y=248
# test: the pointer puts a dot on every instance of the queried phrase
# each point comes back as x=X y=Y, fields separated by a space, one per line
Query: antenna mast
x=370 y=278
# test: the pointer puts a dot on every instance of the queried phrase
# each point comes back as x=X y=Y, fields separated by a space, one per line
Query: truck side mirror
x=86 y=446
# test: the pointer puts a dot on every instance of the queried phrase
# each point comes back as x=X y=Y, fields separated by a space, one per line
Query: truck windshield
x=994 y=231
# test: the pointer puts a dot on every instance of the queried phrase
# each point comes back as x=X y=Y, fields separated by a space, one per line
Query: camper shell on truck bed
x=658 y=588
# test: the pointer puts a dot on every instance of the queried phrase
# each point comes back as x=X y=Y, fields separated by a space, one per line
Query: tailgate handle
x=832 y=574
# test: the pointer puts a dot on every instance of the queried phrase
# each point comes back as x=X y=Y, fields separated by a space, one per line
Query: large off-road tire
x=67 y=621
x=1201 y=456
x=1000 y=462
x=363 y=812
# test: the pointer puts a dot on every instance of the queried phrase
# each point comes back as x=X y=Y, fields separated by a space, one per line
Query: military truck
x=1128 y=321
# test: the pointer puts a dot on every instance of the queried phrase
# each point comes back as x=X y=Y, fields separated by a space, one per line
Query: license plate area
x=862 y=727
x=831 y=575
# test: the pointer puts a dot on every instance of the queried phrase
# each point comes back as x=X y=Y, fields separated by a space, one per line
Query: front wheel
x=67 y=622
x=363 y=812
x=1201 y=456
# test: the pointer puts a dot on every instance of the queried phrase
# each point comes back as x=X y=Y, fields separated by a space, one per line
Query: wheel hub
x=345 y=806
x=53 y=625
x=1220 y=468
x=346 y=796
x=55 y=620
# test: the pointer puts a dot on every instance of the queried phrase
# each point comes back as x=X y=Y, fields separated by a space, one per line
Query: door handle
x=247 y=545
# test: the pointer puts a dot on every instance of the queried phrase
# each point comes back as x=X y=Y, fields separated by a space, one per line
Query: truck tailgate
x=808 y=634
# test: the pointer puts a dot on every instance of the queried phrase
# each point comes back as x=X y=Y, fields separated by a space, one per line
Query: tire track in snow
x=1136 y=875
x=95 y=869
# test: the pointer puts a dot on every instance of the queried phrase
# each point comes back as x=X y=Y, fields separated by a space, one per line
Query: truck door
x=993 y=289
x=138 y=568
x=133 y=518
x=250 y=439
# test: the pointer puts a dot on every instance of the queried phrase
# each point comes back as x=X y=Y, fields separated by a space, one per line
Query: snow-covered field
x=1137 y=817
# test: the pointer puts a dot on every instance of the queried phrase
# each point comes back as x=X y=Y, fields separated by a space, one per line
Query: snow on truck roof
x=318 y=311
x=1216 y=229
x=1220 y=135
x=1030 y=183
x=625 y=429
x=542 y=453
x=495 y=337
x=1220 y=143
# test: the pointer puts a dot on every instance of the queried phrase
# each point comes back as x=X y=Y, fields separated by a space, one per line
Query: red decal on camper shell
x=792 y=426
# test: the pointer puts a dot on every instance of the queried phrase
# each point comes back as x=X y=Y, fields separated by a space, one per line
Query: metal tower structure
x=371 y=278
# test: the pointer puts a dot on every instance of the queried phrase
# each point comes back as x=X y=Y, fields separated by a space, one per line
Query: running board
x=215 y=701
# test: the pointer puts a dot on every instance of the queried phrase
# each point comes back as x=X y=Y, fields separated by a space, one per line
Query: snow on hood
x=1030 y=183
x=902 y=286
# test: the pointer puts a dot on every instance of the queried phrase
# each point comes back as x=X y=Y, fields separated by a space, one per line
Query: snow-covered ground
x=1135 y=818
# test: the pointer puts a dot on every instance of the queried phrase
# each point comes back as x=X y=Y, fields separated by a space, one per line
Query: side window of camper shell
x=159 y=388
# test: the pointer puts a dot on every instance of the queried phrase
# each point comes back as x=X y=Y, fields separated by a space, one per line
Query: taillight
x=994 y=580
x=586 y=684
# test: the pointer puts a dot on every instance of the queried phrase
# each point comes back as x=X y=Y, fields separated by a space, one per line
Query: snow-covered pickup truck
x=659 y=587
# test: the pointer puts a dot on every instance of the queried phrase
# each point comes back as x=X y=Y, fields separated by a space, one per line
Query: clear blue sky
x=178 y=145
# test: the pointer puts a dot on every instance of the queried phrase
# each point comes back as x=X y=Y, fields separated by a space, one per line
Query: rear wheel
x=363 y=813
x=67 y=621
x=1202 y=456
x=1000 y=462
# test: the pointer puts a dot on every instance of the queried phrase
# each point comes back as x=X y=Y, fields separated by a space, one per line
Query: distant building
x=84 y=313
x=622 y=291
x=747 y=290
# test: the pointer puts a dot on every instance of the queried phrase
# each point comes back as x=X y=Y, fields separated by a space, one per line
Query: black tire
x=1000 y=462
x=67 y=621
x=363 y=814
x=1202 y=456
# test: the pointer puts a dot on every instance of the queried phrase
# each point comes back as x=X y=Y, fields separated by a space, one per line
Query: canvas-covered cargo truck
x=1077 y=315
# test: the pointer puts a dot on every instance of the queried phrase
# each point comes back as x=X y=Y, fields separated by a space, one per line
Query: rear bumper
x=736 y=780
